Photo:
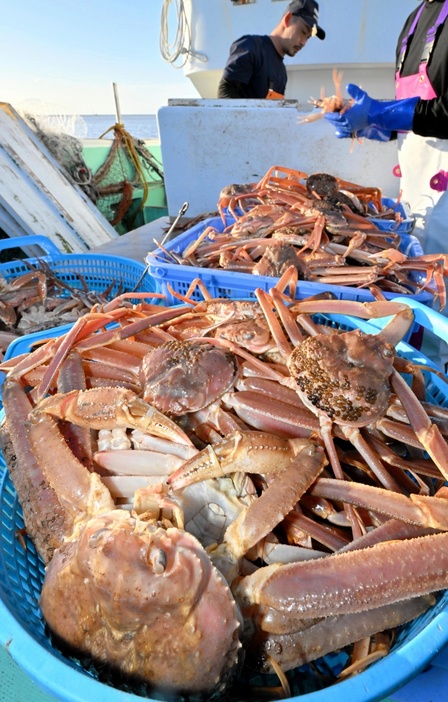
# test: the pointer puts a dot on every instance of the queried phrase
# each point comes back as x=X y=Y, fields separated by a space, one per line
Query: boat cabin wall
x=209 y=144
x=361 y=37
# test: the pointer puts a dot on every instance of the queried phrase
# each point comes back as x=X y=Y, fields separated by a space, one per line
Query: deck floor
x=137 y=243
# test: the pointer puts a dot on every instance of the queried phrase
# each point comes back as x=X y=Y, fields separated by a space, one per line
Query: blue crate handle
x=33 y=239
x=427 y=317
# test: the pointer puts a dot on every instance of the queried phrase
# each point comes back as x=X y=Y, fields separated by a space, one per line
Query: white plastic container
x=208 y=144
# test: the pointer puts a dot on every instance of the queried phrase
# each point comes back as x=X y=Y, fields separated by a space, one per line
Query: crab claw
x=109 y=408
x=247 y=452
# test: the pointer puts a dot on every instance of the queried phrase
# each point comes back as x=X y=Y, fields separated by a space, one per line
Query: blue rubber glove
x=389 y=115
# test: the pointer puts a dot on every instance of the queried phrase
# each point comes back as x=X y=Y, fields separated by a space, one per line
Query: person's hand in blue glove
x=388 y=115
x=373 y=133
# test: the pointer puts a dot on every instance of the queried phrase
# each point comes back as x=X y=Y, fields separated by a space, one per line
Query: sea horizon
x=139 y=126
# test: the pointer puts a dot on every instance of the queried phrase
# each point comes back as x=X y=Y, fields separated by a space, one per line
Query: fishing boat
x=241 y=139
x=237 y=141
x=360 y=41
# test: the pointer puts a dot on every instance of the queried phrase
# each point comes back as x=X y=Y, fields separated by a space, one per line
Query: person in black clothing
x=255 y=67
x=418 y=118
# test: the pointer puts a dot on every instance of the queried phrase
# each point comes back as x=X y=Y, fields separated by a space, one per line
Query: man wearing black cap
x=255 y=67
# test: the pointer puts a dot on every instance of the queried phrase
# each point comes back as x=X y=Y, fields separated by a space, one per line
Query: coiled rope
x=181 y=47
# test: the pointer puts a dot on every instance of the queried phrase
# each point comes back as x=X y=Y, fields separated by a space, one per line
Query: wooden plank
x=12 y=223
x=36 y=194
x=31 y=210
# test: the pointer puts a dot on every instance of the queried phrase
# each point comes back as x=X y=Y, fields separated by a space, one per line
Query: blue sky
x=67 y=54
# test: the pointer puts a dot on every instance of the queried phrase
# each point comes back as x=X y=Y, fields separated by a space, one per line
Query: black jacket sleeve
x=230 y=89
x=431 y=118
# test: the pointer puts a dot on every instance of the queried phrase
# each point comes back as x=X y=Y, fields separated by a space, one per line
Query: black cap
x=308 y=10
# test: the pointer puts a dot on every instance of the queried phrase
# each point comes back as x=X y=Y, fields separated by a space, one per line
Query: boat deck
x=137 y=243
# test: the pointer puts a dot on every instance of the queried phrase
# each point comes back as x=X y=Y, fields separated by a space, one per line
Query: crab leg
x=71 y=375
x=79 y=491
x=191 y=248
x=371 y=457
x=101 y=408
x=248 y=452
x=272 y=390
x=98 y=373
x=340 y=277
x=330 y=537
x=64 y=345
x=427 y=432
x=330 y=634
x=326 y=426
x=256 y=521
x=286 y=317
x=282 y=343
x=421 y=510
x=364 y=310
x=387 y=454
x=266 y=414
x=46 y=521
x=58 y=347
x=353 y=581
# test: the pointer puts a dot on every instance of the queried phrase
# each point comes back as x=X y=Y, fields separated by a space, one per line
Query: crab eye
x=157 y=558
x=98 y=537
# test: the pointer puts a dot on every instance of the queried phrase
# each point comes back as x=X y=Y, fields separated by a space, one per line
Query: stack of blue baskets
x=232 y=285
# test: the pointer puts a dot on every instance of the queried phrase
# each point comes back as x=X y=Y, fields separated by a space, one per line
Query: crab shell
x=136 y=597
x=343 y=375
x=179 y=377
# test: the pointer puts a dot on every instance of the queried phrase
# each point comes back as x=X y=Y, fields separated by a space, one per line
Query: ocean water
x=138 y=126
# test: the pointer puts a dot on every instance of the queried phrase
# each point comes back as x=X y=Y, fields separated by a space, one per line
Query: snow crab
x=321 y=225
x=33 y=302
x=124 y=571
x=288 y=575
x=334 y=103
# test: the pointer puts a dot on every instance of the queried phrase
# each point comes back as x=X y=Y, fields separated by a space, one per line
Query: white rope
x=182 y=42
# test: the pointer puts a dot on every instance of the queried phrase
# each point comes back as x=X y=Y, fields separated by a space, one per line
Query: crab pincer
x=107 y=408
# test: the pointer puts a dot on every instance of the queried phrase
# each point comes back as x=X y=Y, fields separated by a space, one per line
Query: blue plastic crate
x=389 y=225
x=23 y=633
x=99 y=271
x=228 y=284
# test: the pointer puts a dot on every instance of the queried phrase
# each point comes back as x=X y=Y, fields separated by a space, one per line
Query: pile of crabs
x=223 y=486
x=39 y=300
x=321 y=225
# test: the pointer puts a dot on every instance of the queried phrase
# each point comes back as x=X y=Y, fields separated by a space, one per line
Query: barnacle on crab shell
x=343 y=375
